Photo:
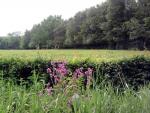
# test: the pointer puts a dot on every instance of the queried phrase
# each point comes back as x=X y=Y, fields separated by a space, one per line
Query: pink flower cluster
x=58 y=70
x=81 y=72
x=86 y=74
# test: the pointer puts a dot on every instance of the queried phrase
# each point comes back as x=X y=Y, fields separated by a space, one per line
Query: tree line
x=114 y=24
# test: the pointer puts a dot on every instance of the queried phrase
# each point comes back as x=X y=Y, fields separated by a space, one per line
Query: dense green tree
x=25 y=40
x=42 y=35
x=10 y=42
x=143 y=9
x=115 y=18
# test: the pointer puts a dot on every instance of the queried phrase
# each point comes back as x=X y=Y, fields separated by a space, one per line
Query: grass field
x=69 y=55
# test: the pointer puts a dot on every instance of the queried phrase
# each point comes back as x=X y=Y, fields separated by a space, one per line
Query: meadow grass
x=71 y=55
x=19 y=99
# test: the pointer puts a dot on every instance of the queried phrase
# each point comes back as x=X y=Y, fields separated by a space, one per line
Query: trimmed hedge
x=132 y=72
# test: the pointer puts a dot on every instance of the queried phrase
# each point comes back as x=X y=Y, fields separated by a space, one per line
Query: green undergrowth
x=19 y=99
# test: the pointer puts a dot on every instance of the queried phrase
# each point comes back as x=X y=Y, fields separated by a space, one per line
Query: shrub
x=131 y=72
x=134 y=72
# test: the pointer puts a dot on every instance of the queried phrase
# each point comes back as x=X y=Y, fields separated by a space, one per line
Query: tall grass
x=20 y=99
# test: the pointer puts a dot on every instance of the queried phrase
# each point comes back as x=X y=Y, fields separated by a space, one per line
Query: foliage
x=129 y=73
x=16 y=99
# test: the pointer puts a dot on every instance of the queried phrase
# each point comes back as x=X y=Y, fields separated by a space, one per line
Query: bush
x=131 y=72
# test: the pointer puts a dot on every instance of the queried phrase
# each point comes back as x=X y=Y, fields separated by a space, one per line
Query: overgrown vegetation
x=115 y=24
x=19 y=99
x=37 y=84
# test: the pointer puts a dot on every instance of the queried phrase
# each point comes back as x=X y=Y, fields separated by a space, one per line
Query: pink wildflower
x=49 y=70
x=89 y=72
x=78 y=73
